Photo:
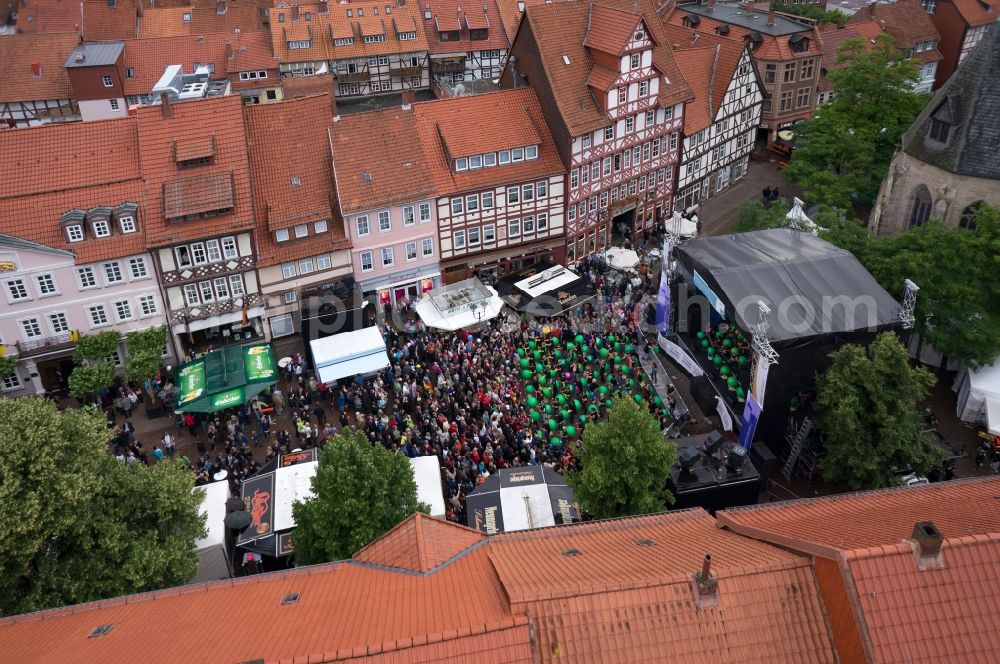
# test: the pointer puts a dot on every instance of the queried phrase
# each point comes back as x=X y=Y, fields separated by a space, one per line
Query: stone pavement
x=718 y=214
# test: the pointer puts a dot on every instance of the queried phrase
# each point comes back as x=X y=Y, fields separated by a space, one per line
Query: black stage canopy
x=551 y=303
x=520 y=498
x=794 y=273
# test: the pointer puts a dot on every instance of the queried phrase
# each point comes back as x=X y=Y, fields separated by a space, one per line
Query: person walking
x=168 y=444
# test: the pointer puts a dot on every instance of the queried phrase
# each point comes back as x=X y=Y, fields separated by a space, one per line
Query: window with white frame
x=123 y=310
x=236 y=285
x=113 y=272
x=137 y=266
x=362 y=223
x=408 y=218
x=31 y=328
x=476 y=161
x=214 y=252
x=191 y=294
x=11 y=381
x=460 y=239
x=542 y=222
x=514 y=228
x=513 y=195
x=411 y=251
x=127 y=224
x=471 y=202
x=306 y=266
x=287 y=270
x=198 y=253
x=462 y=164
x=574 y=178
x=74 y=233
x=221 y=288
x=572 y=212
x=107 y=81
x=528 y=193
x=427 y=247
x=46 y=285
x=504 y=157
x=281 y=235
x=367 y=264
x=319 y=226
x=98 y=315
x=324 y=262
x=622 y=95
x=487 y=200
x=490 y=159
x=86 y=277
x=58 y=323
x=183 y=256
x=457 y=206
x=528 y=225
x=425 y=212
x=101 y=228
x=604 y=199
x=301 y=230
x=643 y=88
x=517 y=154
x=634 y=61
x=531 y=152
x=542 y=189
x=289 y=297
x=207 y=294
x=489 y=234
x=229 y=250
x=282 y=326
x=473 y=237
x=650 y=118
x=387 y=257
x=147 y=305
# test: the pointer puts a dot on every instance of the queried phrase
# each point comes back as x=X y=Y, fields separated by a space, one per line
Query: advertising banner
x=227 y=399
x=485 y=513
x=293 y=458
x=680 y=358
x=759 y=386
x=709 y=294
x=663 y=306
x=258 y=497
x=522 y=476
x=564 y=507
x=259 y=364
x=285 y=544
x=751 y=413
x=191 y=381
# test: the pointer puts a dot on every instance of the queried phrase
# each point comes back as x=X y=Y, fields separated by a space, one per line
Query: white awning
x=993 y=415
x=622 y=259
x=431 y=317
x=349 y=354
x=549 y=280
x=213 y=506
x=526 y=507
x=291 y=485
x=427 y=473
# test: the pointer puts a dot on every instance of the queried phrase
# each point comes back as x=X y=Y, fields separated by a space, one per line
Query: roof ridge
x=903 y=546
x=672 y=516
x=421 y=544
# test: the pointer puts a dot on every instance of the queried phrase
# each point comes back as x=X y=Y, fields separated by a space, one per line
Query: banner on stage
x=760 y=379
x=677 y=354
x=724 y=417
x=748 y=424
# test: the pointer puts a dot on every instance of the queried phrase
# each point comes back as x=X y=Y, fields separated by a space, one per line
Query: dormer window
x=942 y=121
x=450 y=35
x=373 y=39
x=939 y=131
x=299 y=43
x=74 y=233
x=127 y=224
x=478 y=35
x=407 y=36
x=186 y=17
x=101 y=228
x=799 y=43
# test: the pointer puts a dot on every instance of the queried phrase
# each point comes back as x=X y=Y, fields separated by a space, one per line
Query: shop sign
x=191 y=381
x=259 y=364
x=227 y=399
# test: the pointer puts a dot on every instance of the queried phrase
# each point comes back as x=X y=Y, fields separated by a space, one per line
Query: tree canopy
x=144 y=353
x=626 y=463
x=93 y=371
x=360 y=491
x=754 y=216
x=867 y=403
x=845 y=149
x=76 y=524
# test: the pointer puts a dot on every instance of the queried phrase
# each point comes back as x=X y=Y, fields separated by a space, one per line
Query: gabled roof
x=464 y=16
x=610 y=29
x=936 y=615
x=972 y=97
x=511 y=14
x=391 y=170
x=101 y=22
x=773 y=46
x=827 y=525
x=55 y=168
x=95 y=54
x=218 y=116
x=20 y=243
x=419 y=544
x=620 y=590
x=567 y=64
x=19 y=53
x=905 y=20
x=202 y=20
x=288 y=145
x=484 y=123
x=976 y=12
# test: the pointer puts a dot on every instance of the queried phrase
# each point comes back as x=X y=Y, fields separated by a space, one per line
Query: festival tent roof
x=225 y=378
x=427 y=473
x=812 y=287
x=349 y=354
x=980 y=396
x=521 y=498
x=453 y=306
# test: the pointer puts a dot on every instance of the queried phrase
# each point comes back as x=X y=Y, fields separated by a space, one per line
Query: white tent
x=979 y=396
x=455 y=306
x=213 y=561
x=622 y=259
x=292 y=484
x=349 y=354
x=427 y=473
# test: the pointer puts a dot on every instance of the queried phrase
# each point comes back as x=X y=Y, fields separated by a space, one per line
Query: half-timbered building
x=34 y=86
x=200 y=220
x=499 y=181
x=615 y=105
x=466 y=40
x=720 y=125
x=369 y=48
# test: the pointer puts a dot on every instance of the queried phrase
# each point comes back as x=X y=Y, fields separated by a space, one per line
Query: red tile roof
x=976 y=12
x=305 y=86
x=455 y=15
x=221 y=117
x=511 y=15
x=100 y=21
x=826 y=525
x=468 y=125
x=834 y=37
x=420 y=544
x=905 y=20
x=49 y=51
x=289 y=140
x=610 y=29
x=696 y=63
x=557 y=28
x=912 y=616
x=771 y=48
x=55 y=168
x=620 y=591
x=391 y=169
x=169 y=21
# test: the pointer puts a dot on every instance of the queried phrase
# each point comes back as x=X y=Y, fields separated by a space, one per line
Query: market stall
x=521 y=498
x=347 y=354
x=427 y=474
x=224 y=378
x=979 y=396
x=213 y=559
x=459 y=305
x=269 y=496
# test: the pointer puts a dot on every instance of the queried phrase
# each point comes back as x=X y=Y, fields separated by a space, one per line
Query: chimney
x=36 y=70
x=164 y=105
x=323 y=8
x=770 y=15
x=926 y=545
x=705 y=585
x=711 y=5
x=409 y=98
x=295 y=12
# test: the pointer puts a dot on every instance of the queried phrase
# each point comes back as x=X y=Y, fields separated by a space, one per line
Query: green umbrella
x=565 y=413
x=717 y=360
x=638 y=399
x=742 y=359
x=618 y=346
x=552 y=424
x=577 y=404
x=732 y=383
x=618 y=359
x=530 y=389
x=625 y=369
x=555 y=341
x=524 y=363
x=657 y=401
x=520 y=351
x=526 y=374
x=705 y=343
x=535 y=416
x=724 y=371
x=531 y=345
x=604 y=353
x=711 y=352
x=592 y=408
x=532 y=402
x=741 y=394
x=539 y=367
x=728 y=343
x=629 y=348
x=590 y=359
x=570 y=430
x=542 y=380
x=583 y=419
x=537 y=354
x=700 y=335
x=599 y=341
x=579 y=339
x=570 y=345
x=561 y=399
x=557 y=353
x=555 y=441
x=548 y=409
x=603 y=390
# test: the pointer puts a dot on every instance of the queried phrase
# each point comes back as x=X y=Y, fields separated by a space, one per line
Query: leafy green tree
x=93 y=371
x=845 y=150
x=7 y=366
x=95 y=347
x=360 y=491
x=626 y=463
x=753 y=216
x=76 y=524
x=144 y=353
x=812 y=11
x=867 y=402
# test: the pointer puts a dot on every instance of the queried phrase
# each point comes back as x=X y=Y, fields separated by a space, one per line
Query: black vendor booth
x=820 y=297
